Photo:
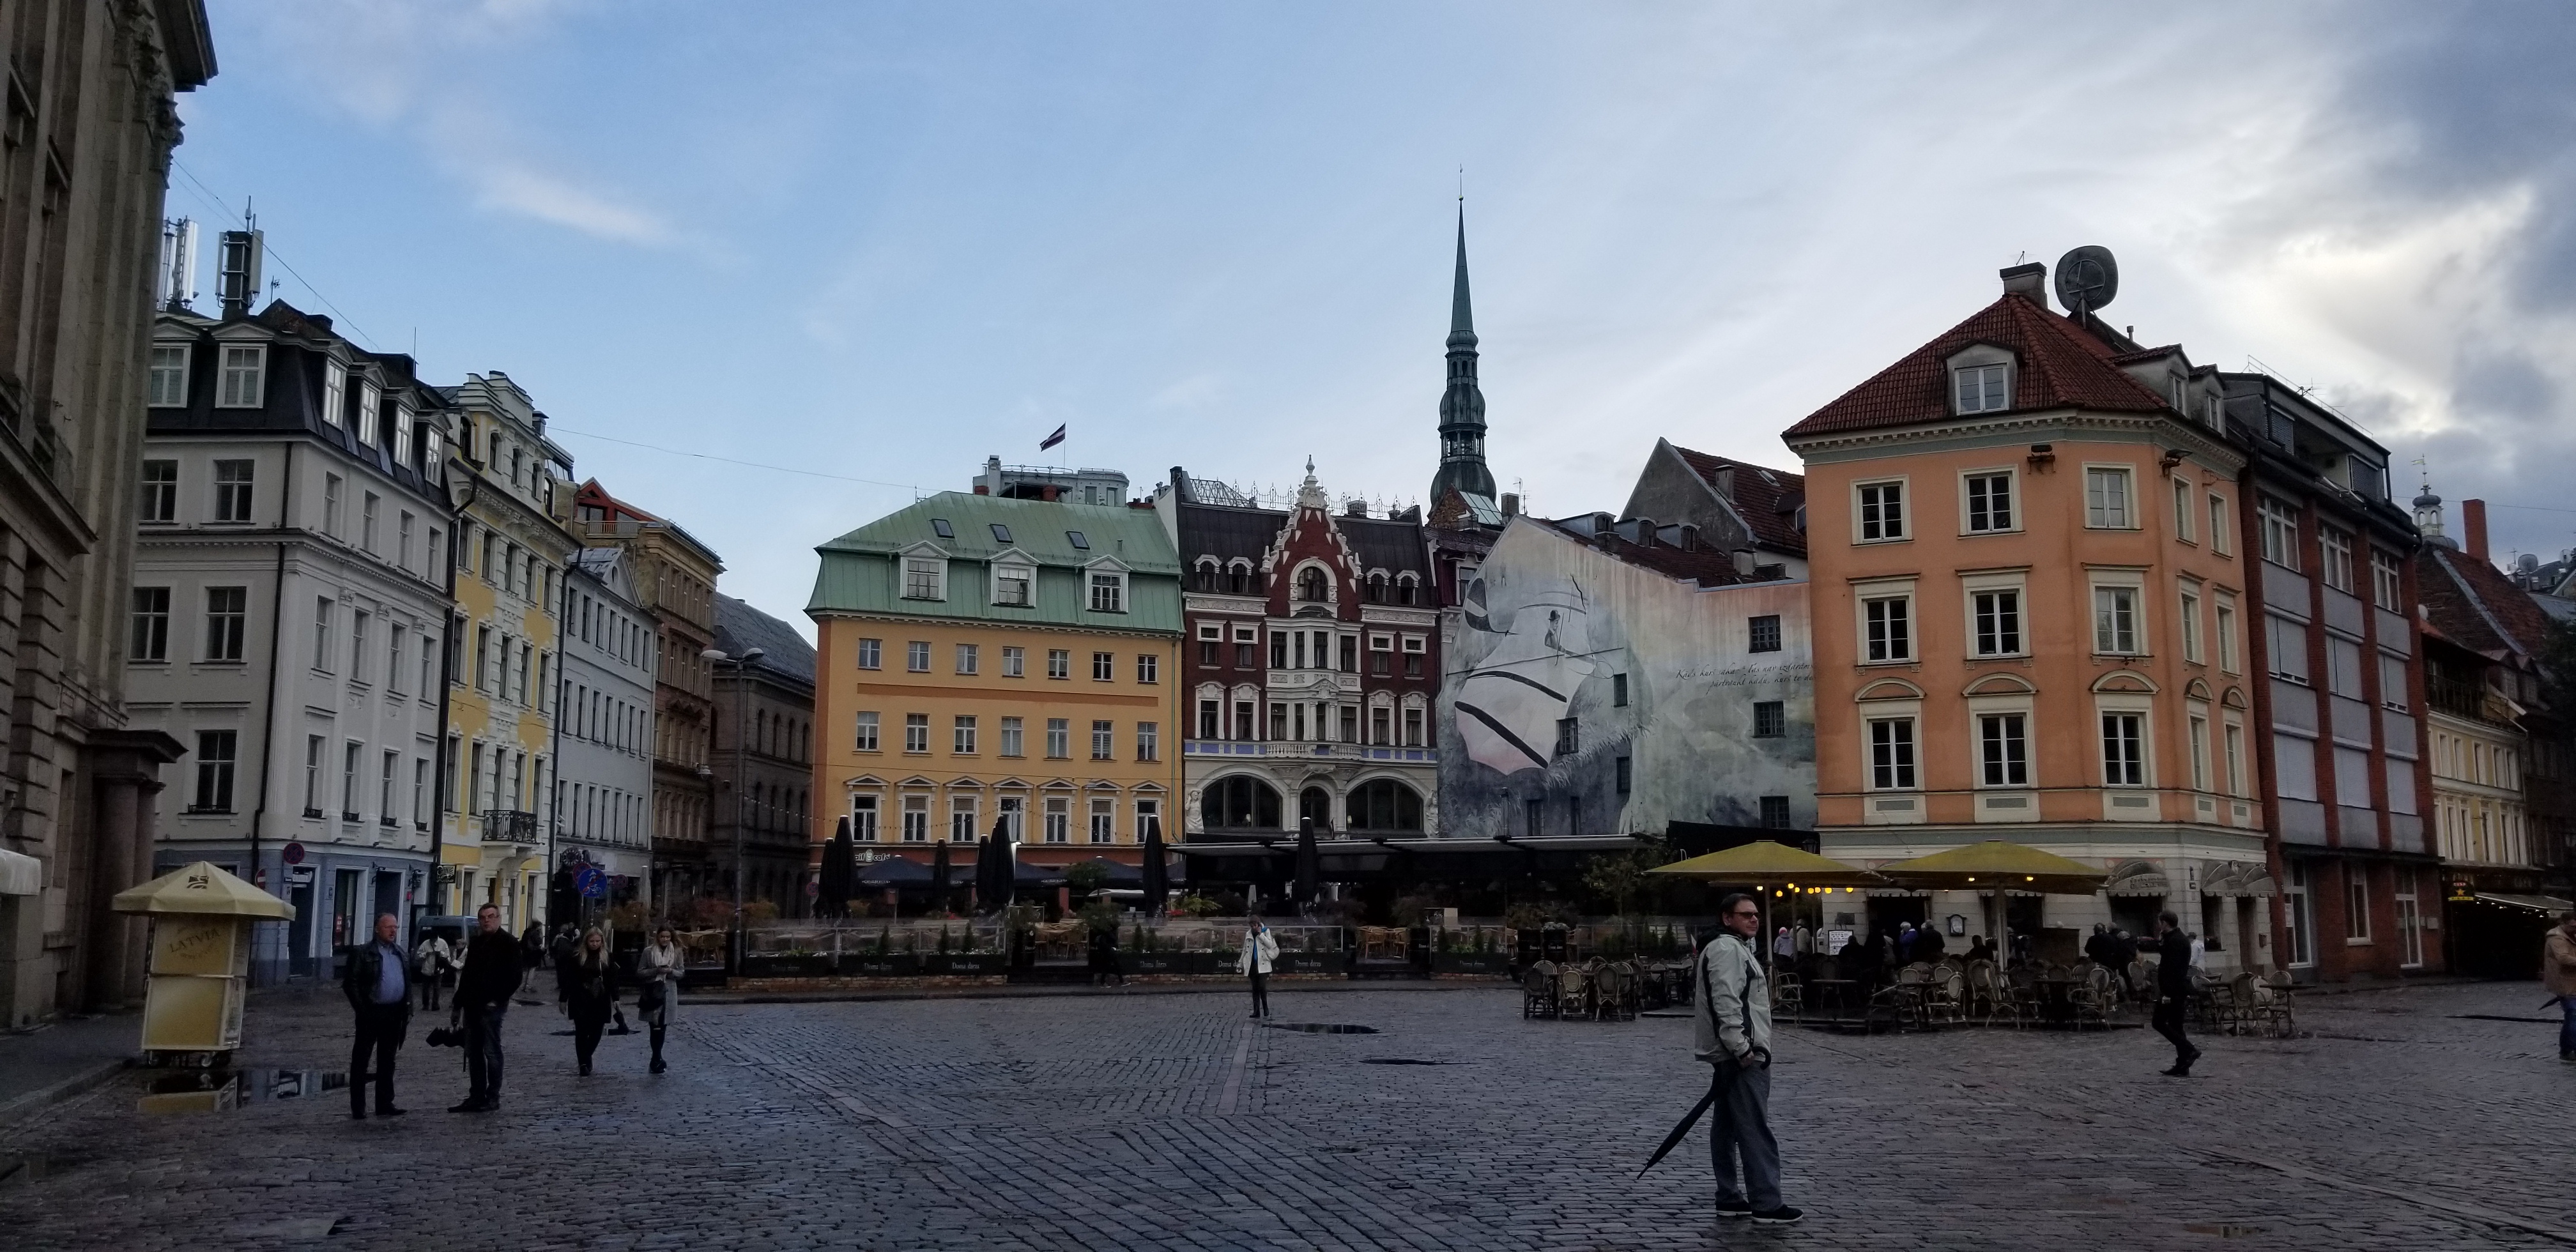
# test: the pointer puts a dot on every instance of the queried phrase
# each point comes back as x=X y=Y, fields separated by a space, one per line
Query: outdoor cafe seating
x=1598 y=989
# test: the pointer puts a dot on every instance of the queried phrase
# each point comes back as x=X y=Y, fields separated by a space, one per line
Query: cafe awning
x=20 y=874
x=2543 y=904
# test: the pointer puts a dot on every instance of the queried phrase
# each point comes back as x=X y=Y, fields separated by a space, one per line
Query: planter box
x=1496 y=963
x=1309 y=963
x=960 y=964
x=756 y=965
x=897 y=965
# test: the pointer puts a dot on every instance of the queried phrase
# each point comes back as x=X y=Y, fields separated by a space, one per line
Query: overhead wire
x=558 y=427
x=217 y=202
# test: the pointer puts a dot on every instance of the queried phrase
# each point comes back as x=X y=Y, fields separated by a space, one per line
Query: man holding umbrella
x=1733 y=1020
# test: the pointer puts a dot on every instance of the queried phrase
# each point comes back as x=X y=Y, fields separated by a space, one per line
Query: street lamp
x=741 y=718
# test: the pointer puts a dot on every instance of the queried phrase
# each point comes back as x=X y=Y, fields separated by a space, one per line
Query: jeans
x=1260 y=993
x=2168 y=1022
x=483 y=1049
x=380 y=1032
x=429 y=991
x=585 y=1039
x=2567 y=1027
x=1740 y=1132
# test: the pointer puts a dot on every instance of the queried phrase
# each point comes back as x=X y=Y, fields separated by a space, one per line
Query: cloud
x=512 y=189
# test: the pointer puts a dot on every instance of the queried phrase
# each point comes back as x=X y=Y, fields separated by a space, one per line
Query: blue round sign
x=590 y=881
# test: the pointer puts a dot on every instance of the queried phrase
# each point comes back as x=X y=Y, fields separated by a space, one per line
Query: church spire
x=1462 y=406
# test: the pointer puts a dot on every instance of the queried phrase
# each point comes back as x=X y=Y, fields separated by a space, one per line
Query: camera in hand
x=446 y=1037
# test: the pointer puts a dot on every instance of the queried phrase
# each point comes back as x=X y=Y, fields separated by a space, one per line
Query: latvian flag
x=1051 y=440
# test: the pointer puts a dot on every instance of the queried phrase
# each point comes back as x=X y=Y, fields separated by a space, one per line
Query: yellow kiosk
x=201 y=935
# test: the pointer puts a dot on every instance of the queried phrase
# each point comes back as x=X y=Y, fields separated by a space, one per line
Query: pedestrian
x=2173 y=991
x=1860 y=960
x=378 y=985
x=2558 y=976
x=590 y=994
x=432 y=959
x=1928 y=944
x=1260 y=951
x=1733 y=1036
x=1905 y=936
x=1784 y=949
x=2099 y=948
x=2124 y=950
x=491 y=976
x=657 y=971
x=1981 y=948
x=563 y=952
x=2199 y=952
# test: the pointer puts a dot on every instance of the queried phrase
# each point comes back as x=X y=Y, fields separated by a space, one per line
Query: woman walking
x=1260 y=950
x=590 y=994
x=658 y=968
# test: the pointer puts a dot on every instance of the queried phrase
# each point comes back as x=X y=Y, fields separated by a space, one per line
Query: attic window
x=1982 y=389
x=1001 y=533
x=1075 y=538
x=939 y=526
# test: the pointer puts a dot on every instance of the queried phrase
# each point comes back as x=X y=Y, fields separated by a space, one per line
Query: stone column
x=116 y=962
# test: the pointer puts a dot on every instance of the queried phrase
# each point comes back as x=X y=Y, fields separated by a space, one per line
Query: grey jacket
x=1733 y=1013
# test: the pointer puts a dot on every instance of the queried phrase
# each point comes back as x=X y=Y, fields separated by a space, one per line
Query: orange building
x=2030 y=625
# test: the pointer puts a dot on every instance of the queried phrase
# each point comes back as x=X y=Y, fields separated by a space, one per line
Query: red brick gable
x=2060 y=366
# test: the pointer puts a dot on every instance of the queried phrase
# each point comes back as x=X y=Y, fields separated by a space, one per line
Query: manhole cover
x=1401 y=1060
x=2224 y=1230
x=1321 y=1028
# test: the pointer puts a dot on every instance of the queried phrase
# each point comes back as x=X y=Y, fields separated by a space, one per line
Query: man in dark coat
x=2173 y=991
x=377 y=983
x=2101 y=949
x=491 y=976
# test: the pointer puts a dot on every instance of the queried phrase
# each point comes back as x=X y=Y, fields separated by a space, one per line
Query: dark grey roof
x=1392 y=546
x=740 y=627
x=1226 y=533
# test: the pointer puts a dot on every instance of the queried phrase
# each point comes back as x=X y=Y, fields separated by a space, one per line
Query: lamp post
x=741 y=718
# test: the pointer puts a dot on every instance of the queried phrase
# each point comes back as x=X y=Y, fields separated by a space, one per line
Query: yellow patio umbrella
x=204 y=889
x=1774 y=867
x=1997 y=866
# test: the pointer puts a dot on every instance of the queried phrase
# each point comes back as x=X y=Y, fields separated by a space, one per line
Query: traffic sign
x=294 y=854
x=590 y=882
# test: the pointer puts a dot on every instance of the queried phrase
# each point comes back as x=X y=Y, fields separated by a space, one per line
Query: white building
x=604 y=730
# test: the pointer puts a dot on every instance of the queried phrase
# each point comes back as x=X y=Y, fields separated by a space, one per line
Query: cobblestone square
x=1169 y=1121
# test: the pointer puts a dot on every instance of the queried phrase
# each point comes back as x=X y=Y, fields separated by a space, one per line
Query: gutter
x=276 y=636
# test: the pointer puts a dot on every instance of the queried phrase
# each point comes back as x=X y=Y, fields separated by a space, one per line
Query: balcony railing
x=1302 y=750
x=509 y=826
x=2466 y=699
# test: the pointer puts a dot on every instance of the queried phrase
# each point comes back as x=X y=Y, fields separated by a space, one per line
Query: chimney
x=1356 y=508
x=982 y=490
x=1511 y=504
x=237 y=272
x=2473 y=522
x=1690 y=537
x=1744 y=562
x=2030 y=282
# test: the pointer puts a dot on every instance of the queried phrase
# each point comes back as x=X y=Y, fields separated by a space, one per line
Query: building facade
x=511 y=557
x=1311 y=669
x=1732 y=506
x=674 y=577
x=2029 y=608
x=603 y=811
x=92 y=123
x=764 y=758
x=289 y=615
x=2331 y=637
x=985 y=659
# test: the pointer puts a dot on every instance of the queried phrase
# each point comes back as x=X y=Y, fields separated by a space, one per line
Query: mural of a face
x=1510 y=701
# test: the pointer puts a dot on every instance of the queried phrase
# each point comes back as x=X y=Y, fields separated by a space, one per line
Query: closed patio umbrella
x=832 y=884
x=892 y=871
x=1158 y=874
x=1309 y=864
x=939 y=876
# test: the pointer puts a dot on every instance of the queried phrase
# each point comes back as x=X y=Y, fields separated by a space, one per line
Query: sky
x=860 y=247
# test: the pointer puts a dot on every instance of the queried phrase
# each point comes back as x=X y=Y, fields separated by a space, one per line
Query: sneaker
x=2178 y=1071
x=390 y=1111
x=659 y=1065
x=1780 y=1216
x=1734 y=1208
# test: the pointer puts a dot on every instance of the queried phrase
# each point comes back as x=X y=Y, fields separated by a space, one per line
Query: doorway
x=1316 y=805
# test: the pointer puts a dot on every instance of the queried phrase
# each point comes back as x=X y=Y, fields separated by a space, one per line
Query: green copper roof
x=862 y=570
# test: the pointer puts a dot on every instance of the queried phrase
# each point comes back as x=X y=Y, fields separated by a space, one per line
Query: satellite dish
x=2087 y=279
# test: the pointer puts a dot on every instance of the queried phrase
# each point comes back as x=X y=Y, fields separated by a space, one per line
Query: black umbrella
x=993 y=879
x=939 y=876
x=832 y=891
x=891 y=871
x=1309 y=865
x=1158 y=875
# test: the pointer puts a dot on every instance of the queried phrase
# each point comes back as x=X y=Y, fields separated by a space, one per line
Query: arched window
x=1207 y=575
x=1405 y=589
x=1239 y=580
x=1315 y=803
x=1311 y=586
x=1240 y=803
x=1385 y=805
x=1376 y=591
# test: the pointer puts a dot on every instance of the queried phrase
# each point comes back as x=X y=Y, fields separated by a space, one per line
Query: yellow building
x=510 y=558
x=985 y=659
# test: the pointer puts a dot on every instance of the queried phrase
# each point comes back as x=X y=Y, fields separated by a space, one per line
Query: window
x=2115 y=620
x=1382 y=659
x=1997 y=621
x=2356 y=911
x=939 y=526
x=2107 y=499
x=916 y=732
x=2287 y=643
x=2199 y=752
x=358 y=646
x=160 y=498
x=385 y=789
x=1147 y=667
x=2003 y=749
x=2124 y=750
x=916 y=819
x=1104 y=667
x=2343 y=667
x=1413 y=652
x=1108 y=593
x=331 y=505
x=1078 y=540
x=1891 y=754
x=1990 y=502
x=1104 y=821
x=1015 y=662
x=1619 y=691
x=1982 y=389
x=2233 y=737
x=1775 y=812
x=1211 y=718
x=233 y=490
x=2182 y=510
x=420 y=793
x=215 y=758
x=1413 y=728
x=870 y=653
x=2385 y=584
x=1381 y=727
x=2303 y=950
x=1011 y=736
x=1059 y=739
x=2280 y=525
x=1011 y=585
x=1279 y=649
x=2222 y=537
x=2392 y=682
x=1770 y=719
x=1569 y=736
x=368 y=397
x=323 y=609
x=1763 y=633
x=1057 y=819
x=2191 y=626
x=313 y=745
x=1279 y=721
x=169 y=384
x=1882 y=511
x=2352 y=777
x=243 y=366
x=863 y=819
x=2334 y=551
x=924 y=578
x=1887 y=628
x=969 y=658
x=1623 y=776
x=1001 y=533
x=1148 y=742
x=335 y=391
x=916 y=656
x=867 y=732
x=1312 y=586
x=2226 y=611
x=961 y=819
x=149 y=639
x=367 y=511
x=962 y=742
x=1059 y=663
x=1104 y=740
x=402 y=539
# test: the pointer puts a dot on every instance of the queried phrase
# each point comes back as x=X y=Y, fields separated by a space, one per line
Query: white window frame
x=2280 y=530
x=335 y=391
x=234 y=377
x=1103 y=824
x=2232 y=748
x=2101 y=511
x=1980 y=710
x=1104 y=578
x=2189 y=609
x=2111 y=598
x=2228 y=627
x=1015 y=661
x=936 y=570
x=1891 y=651
x=2334 y=557
x=2273 y=626
x=2222 y=535
x=1976 y=587
x=1968 y=504
x=2184 y=494
x=168 y=385
x=864 y=731
x=1888 y=764
x=2108 y=707
x=1981 y=387
x=369 y=397
x=1871 y=504
x=1006 y=573
x=2387 y=582
x=2198 y=722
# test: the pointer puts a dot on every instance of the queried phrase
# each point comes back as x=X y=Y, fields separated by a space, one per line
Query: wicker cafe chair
x=1614 y=991
x=2092 y=999
x=1945 y=996
x=2275 y=1003
x=1988 y=997
x=1573 y=991
x=1789 y=996
x=2239 y=1007
x=1538 y=990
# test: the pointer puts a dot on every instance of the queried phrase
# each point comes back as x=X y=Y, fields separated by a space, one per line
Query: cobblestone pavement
x=1170 y=1122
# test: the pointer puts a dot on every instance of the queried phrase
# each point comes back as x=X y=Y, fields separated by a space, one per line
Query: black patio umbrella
x=1158 y=875
x=1309 y=864
x=993 y=869
x=832 y=888
x=892 y=871
x=1119 y=873
x=939 y=876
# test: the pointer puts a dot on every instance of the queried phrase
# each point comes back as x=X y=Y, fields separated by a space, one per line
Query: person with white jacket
x=1260 y=952
x=658 y=969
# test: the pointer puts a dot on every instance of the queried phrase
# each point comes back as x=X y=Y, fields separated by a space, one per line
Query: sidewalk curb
x=56 y=1093
x=718 y=998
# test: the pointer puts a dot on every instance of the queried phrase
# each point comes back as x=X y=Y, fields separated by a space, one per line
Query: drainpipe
x=554 y=749
x=268 y=732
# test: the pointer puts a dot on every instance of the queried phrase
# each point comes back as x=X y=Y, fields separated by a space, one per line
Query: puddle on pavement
x=1403 y=1060
x=2224 y=1230
x=1320 y=1028
x=223 y=1090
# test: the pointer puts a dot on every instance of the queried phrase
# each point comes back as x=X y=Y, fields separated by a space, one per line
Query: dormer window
x=1311 y=586
x=939 y=526
x=925 y=578
x=1108 y=591
x=1014 y=585
x=335 y=391
x=1983 y=389
x=244 y=368
x=169 y=375
x=368 y=400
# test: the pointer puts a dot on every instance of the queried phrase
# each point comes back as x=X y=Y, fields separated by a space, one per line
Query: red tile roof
x=1768 y=499
x=2060 y=367
x=2476 y=606
x=1705 y=567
